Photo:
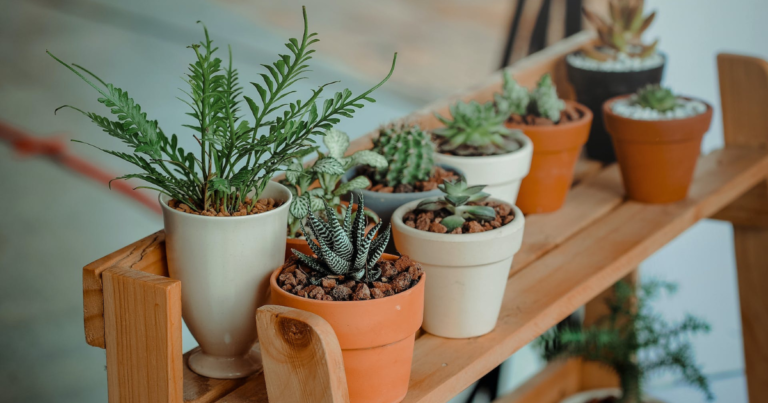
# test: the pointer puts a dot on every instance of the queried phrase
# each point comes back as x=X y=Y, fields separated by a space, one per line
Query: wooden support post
x=142 y=316
x=301 y=356
x=744 y=98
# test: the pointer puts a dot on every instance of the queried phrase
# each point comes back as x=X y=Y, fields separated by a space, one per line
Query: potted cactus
x=620 y=63
x=476 y=142
x=634 y=342
x=224 y=218
x=657 y=136
x=410 y=172
x=321 y=183
x=558 y=130
x=373 y=301
x=465 y=242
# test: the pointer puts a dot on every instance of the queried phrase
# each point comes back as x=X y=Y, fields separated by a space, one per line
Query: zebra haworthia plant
x=457 y=195
x=344 y=249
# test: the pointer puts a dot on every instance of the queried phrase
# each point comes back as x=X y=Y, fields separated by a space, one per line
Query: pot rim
x=662 y=54
x=608 y=111
x=527 y=148
x=517 y=224
x=587 y=114
x=273 y=285
x=395 y=196
x=163 y=200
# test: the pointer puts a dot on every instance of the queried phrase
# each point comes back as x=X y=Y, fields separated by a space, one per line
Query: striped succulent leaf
x=344 y=248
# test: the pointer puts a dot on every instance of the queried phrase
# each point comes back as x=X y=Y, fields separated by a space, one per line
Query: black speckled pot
x=384 y=204
x=593 y=88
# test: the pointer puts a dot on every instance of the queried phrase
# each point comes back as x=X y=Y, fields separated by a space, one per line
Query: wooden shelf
x=567 y=259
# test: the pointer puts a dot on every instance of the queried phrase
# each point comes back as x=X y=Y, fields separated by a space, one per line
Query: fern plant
x=457 y=195
x=409 y=154
x=633 y=341
x=344 y=249
x=236 y=158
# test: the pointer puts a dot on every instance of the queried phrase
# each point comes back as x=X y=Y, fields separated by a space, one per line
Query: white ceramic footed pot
x=467 y=273
x=501 y=174
x=224 y=265
x=586 y=396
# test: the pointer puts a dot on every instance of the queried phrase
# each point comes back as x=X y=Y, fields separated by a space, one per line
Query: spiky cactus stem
x=409 y=153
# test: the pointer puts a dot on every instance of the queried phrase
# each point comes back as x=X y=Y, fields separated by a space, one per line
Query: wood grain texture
x=199 y=389
x=556 y=26
x=301 y=356
x=572 y=274
x=743 y=97
x=555 y=382
x=750 y=210
x=142 y=313
x=751 y=246
x=146 y=255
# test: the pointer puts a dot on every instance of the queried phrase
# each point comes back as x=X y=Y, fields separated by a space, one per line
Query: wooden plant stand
x=568 y=258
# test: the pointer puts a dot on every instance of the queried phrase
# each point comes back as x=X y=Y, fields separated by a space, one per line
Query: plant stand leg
x=142 y=318
x=301 y=357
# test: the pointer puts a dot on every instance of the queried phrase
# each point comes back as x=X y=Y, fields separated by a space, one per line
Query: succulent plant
x=622 y=34
x=344 y=249
x=409 y=154
x=457 y=195
x=656 y=97
x=514 y=98
x=544 y=100
x=476 y=129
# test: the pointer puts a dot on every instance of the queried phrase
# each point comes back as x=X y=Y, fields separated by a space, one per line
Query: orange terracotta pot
x=556 y=149
x=657 y=157
x=376 y=338
x=300 y=244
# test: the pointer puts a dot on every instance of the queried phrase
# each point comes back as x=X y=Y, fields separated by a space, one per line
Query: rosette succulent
x=656 y=97
x=457 y=195
x=344 y=249
x=409 y=154
x=476 y=129
x=544 y=100
x=622 y=34
x=514 y=98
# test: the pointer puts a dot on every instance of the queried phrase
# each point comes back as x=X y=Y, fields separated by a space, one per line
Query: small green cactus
x=344 y=249
x=409 y=154
x=622 y=34
x=514 y=98
x=476 y=129
x=544 y=100
x=656 y=97
x=457 y=195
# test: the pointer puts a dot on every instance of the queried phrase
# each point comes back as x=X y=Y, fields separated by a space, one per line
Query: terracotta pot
x=300 y=244
x=594 y=87
x=556 y=149
x=467 y=273
x=224 y=265
x=376 y=338
x=500 y=173
x=657 y=157
x=587 y=396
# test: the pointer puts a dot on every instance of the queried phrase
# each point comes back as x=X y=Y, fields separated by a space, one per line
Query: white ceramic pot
x=586 y=396
x=501 y=174
x=467 y=273
x=224 y=265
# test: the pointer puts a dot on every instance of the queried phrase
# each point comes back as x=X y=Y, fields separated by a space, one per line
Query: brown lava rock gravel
x=396 y=276
x=438 y=176
x=567 y=115
x=430 y=220
x=261 y=206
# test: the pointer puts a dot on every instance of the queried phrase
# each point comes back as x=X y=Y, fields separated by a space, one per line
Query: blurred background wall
x=53 y=221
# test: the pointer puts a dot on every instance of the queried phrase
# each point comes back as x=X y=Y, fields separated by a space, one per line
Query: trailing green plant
x=328 y=170
x=514 y=98
x=409 y=153
x=476 y=129
x=544 y=100
x=236 y=158
x=656 y=97
x=344 y=249
x=633 y=341
x=622 y=33
x=457 y=195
